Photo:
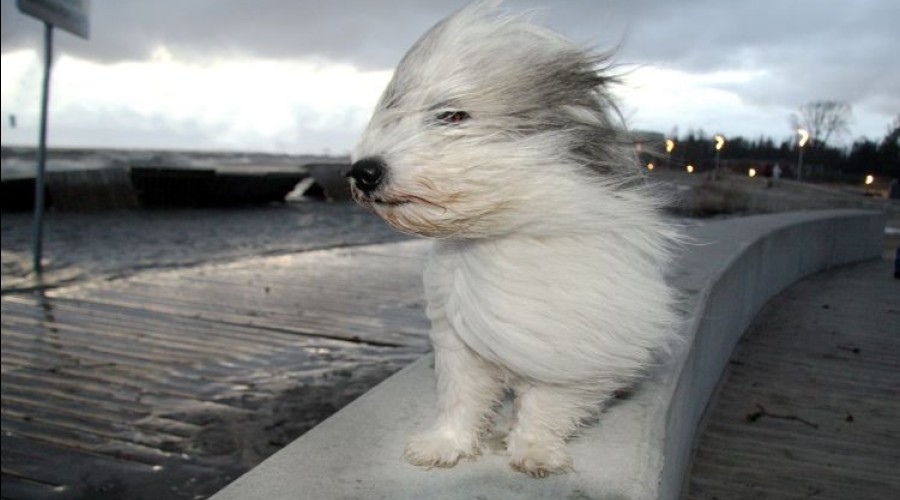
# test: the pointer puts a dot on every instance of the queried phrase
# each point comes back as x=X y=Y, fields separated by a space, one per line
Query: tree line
x=821 y=160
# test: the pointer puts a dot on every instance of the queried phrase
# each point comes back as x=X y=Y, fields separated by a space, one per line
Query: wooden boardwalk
x=809 y=406
x=170 y=384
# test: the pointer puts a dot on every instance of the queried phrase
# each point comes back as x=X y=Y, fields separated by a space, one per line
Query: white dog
x=495 y=138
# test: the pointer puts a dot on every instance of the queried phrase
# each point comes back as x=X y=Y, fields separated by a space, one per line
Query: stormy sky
x=302 y=76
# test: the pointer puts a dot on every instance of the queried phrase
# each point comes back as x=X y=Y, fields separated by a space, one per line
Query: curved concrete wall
x=640 y=448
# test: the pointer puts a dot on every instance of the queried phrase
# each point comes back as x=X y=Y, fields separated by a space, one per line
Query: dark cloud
x=369 y=34
x=803 y=49
x=695 y=35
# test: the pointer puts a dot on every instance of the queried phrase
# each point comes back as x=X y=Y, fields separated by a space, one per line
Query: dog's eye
x=450 y=117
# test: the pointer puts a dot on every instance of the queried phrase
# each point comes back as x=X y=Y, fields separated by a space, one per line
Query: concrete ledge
x=640 y=448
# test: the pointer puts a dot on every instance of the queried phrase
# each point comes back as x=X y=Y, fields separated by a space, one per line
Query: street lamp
x=804 y=136
x=670 y=146
x=870 y=179
x=720 y=142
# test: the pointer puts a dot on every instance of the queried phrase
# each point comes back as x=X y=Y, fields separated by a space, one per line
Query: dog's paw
x=538 y=460
x=438 y=449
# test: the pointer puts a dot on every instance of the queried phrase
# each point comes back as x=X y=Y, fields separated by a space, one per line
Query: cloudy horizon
x=302 y=77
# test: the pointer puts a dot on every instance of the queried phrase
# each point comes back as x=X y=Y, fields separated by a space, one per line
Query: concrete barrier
x=640 y=447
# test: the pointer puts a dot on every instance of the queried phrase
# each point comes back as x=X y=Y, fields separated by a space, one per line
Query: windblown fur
x=497 y=138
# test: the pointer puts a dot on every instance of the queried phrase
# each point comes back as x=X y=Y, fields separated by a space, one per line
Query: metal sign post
x=72 y=16
x=42 y=155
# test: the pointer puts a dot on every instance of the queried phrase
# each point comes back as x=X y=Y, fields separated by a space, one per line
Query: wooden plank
x=374 y=319
x=809 y=405
x=147 y=368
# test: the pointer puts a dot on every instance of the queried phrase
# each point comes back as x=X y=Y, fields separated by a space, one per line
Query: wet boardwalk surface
x=809 y=406
x=170 y=384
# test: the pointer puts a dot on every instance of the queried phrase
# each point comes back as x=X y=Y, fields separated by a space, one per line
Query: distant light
x=870 y=179
x=650 y=166
x=804 y=136
x=752 y=172
x=670 y=145
x=720 y=141
x=690 y=169
x=639 y=147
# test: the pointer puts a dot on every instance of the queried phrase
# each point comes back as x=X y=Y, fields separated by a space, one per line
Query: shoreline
x=104 y=246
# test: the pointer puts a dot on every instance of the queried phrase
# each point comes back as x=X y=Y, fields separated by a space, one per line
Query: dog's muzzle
x=368 y=174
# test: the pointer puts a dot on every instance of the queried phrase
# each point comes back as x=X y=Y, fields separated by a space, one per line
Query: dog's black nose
x=368 y=173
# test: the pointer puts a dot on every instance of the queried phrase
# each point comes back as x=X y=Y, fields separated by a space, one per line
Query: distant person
x=776 y=174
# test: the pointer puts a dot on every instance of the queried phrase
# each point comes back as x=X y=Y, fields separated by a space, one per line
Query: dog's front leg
x=468 y=388
x=546 y=415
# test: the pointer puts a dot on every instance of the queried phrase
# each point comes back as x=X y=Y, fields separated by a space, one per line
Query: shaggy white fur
x=495 y=137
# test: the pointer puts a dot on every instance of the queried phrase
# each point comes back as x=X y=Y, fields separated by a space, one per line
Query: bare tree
x=823 y=119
